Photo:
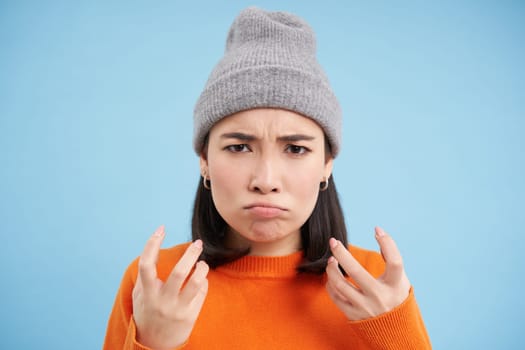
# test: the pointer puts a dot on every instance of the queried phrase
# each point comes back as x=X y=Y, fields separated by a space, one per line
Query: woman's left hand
x=368 y=297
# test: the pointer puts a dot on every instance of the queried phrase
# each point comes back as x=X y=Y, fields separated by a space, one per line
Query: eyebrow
x=285 y=138
x=238 y=135
x=295 y=137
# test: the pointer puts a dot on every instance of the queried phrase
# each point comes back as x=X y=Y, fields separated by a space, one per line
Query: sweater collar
x=264 y=266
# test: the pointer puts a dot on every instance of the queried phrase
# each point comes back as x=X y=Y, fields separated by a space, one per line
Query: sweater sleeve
x=121 y=330
x=400 y=328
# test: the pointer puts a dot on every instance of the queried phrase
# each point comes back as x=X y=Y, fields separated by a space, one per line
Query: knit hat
x=269 y=61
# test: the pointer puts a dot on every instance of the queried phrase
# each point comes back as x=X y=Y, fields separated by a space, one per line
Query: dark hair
x=326 y=221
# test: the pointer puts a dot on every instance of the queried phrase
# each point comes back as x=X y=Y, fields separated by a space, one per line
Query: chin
x=263 y=237
x=265 y=230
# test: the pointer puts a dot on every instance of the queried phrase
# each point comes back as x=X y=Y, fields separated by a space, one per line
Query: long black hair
x=326 y=221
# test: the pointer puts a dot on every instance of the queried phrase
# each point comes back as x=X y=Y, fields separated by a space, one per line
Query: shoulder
x=372 y=261
x=168 y=257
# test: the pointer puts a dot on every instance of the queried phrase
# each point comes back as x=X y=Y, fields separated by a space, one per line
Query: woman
x=269 y=265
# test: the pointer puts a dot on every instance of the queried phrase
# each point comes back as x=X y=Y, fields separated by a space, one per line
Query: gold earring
x=323 y=186
x=206 y=183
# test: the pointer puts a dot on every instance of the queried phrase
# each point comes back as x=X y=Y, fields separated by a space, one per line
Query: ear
x=329 y=163
x=203 y=164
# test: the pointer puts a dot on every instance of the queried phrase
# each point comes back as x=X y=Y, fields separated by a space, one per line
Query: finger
x=183 y=268
x=364 y=280
x=137 y=288
x=347 y=308
x=338 y=299
x=195 y=283
x=196 y=304
x=344 y=288
x=394 y=269
x=342 y=302
x=335 y=295
x=148 y=260
x=336 y=282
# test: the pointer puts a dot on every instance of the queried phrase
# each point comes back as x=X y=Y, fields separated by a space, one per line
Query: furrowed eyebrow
x=238 y=136
x=286 y=138
x=295 y=138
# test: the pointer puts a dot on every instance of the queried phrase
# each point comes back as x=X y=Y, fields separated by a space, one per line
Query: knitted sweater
x=262 y=303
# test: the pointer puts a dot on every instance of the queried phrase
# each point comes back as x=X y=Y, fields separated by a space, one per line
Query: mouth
x=264 y=210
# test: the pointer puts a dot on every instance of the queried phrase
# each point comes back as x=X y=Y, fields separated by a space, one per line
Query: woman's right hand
x=165 y=312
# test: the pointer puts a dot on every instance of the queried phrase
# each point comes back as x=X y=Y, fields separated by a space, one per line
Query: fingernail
x=331 y=259
x=379 y=232
x=333 y=243
x=197 y=243
x=160 y=231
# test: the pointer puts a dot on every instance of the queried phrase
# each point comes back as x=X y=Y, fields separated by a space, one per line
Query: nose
x=265 y=176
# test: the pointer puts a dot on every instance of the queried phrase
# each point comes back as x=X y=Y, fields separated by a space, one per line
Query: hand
x=365 y=296
x=164 y=312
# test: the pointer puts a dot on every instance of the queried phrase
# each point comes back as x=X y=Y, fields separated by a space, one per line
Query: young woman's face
x=265 y=167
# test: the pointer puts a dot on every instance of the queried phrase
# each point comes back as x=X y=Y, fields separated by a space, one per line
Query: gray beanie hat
x=270 y=61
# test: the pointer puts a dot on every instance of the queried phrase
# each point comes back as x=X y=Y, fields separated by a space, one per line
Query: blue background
x=96 y=101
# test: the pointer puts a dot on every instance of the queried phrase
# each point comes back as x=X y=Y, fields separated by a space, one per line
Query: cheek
x=309 y=174
x=305 y=189
x=225 y=184
x=308 y=185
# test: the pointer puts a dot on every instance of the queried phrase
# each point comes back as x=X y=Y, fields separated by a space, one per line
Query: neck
x=286 y=245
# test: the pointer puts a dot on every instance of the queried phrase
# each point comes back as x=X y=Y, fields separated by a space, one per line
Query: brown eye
x=296 y=149
x=238 y=148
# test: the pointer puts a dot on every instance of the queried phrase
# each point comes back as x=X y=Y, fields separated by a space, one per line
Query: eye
x=297 y=149
x=238 y=148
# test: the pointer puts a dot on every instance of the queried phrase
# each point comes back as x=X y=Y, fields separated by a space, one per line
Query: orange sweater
x=262 y=303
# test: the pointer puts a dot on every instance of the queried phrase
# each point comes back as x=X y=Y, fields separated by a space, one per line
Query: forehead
x=270 y=122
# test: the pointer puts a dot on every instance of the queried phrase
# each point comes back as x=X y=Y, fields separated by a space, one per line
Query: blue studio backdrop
x=96 y=102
